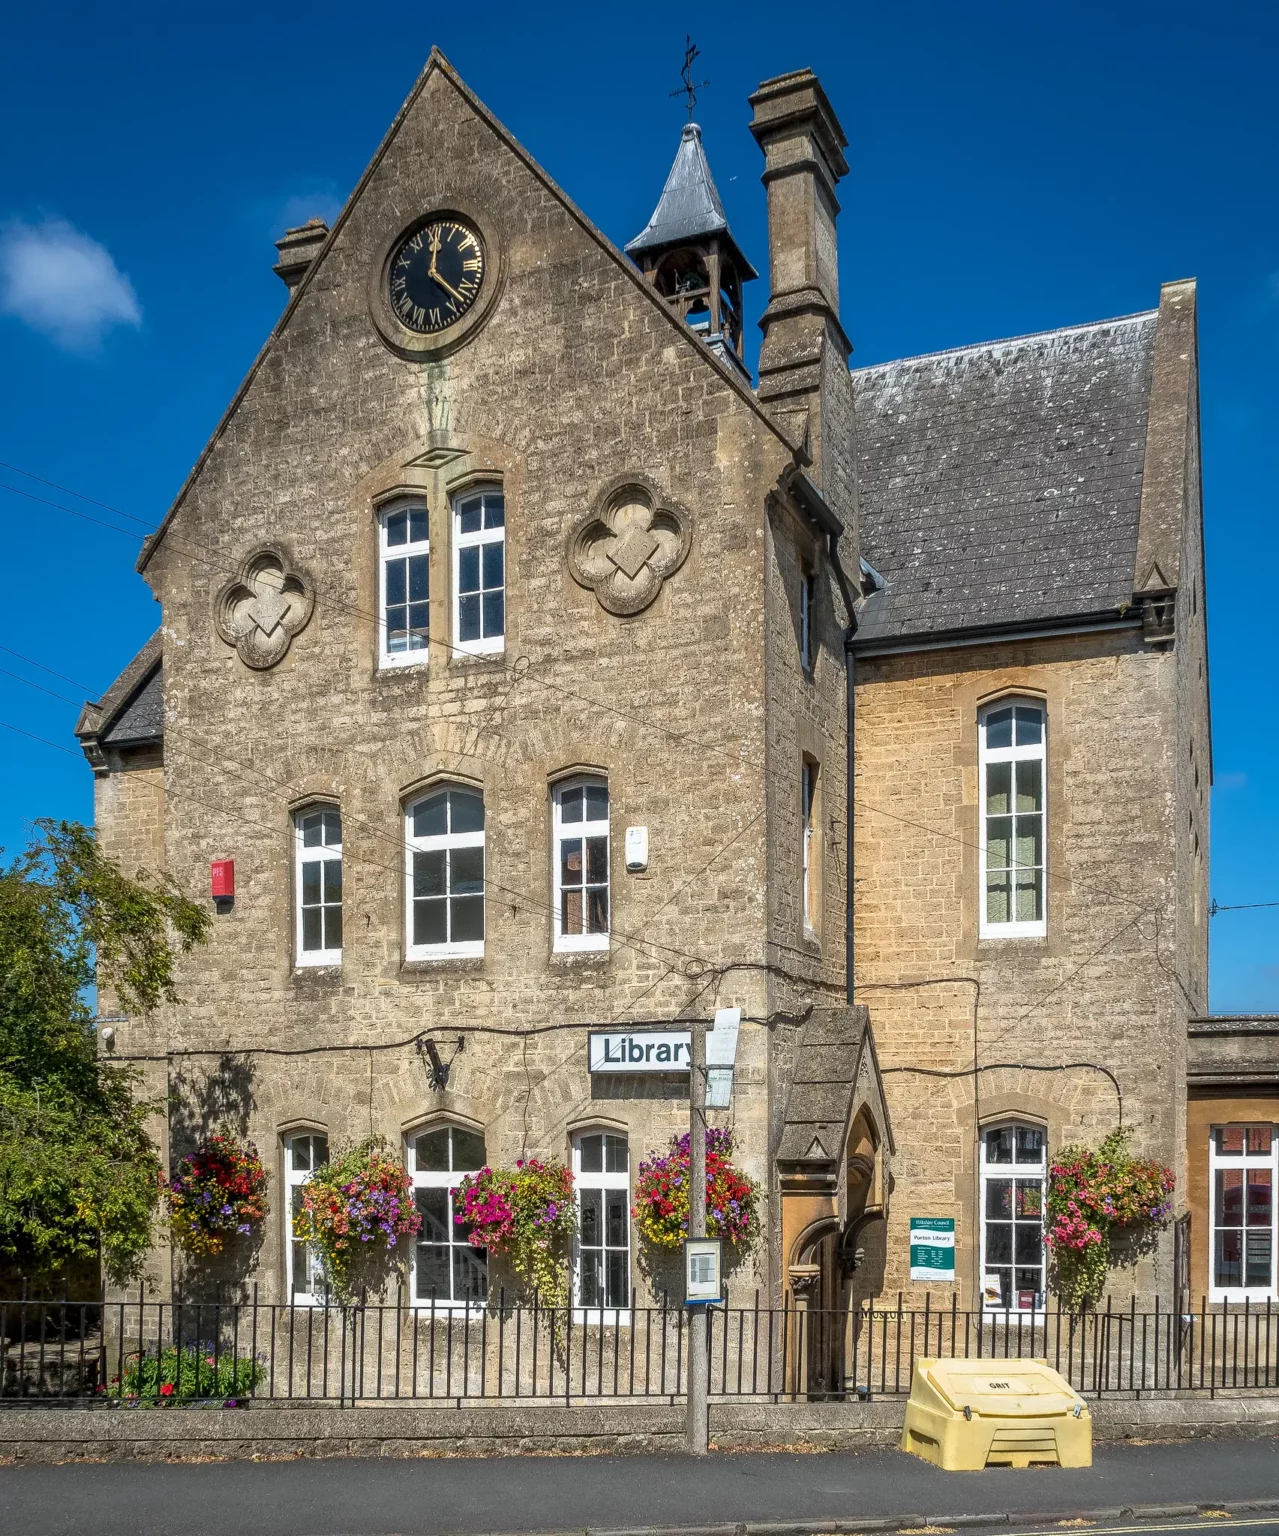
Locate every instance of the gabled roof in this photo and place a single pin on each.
(131, 712)
(689, 208)
(1000, 485)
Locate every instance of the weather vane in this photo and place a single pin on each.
(690, 87)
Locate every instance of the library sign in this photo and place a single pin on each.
(932, 1248)
(670, 1050)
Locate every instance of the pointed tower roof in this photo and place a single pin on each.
(689, 208)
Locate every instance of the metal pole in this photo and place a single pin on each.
(697, 1415)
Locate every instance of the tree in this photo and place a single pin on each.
(79, 1175)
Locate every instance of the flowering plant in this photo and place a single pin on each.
(1090, 1194)
(217, 1192)
(661, 1194)
(528, 1214)
(195, 1372)
(354, 1210)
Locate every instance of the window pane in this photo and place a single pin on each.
(1030, 785)
(999, 786)
(615, 1216)
(432, 1272)
(1229, 1197)
(417, 525)
(396, 584)
(430, 921)
(596, 802)
(468, 569)
(312, 929)
(433, 1208)
(494, 614)
(616, 1158)
(470, 1274)
(320, 1150)
(999, 728)
(1029, 1246)
(468, 618)
(1228, 1258)
(591, 1265)
(571, 804)
(431, 1151)
(1030, 1144)
(468, 515)
(468, 919)
(494, 511)
(1258, 1212)
(596, 860)
(1257, 1254)
(300, 1156)
(592, 1154)
(312, 829)
(998, 899)
(571, 861)
(397, 528)
(618, 1281)
(1030, 727)
(999, 832)
(419, 625)
(1028, 853)
(467, 811)
(1230, 1139)
(1030, 906)
(419, 567)
(597, 911)
(468, 1151)
(571, 911)
(999, 1242)
(999, 1198)
(492, 564)
(999, 1145)
(1259, 1138)
(333, 927)
(310, 883)
(429, 873)
(1030, 1199)
(430, 817)
(332, 829)
(466, 871)
(591, 1217)
(397, 624)
(332, 880)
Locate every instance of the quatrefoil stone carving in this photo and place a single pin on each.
(626, 546)
(263, 606)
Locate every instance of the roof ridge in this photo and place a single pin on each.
(1011, 341)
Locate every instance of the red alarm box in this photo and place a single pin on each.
(222, 879)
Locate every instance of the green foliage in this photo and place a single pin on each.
(528, 1214)
(198, 1371)
(79, 1175)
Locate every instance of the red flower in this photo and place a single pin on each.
(166, 1389)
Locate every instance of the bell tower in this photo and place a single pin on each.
(687, 252)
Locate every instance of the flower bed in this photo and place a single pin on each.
(662, 1187)
(1090, 1195)
(355, 1210)
(527, 1214)
(219, 1192)
(196, 1372)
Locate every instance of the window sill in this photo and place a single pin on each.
(403, 664)
(1236, 1295)
(325, 967)
(473, 1311)
(596, 954)
(613, 1317)
(1038, 934)
(471, 651)
(419, 970)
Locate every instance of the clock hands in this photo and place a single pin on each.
(434, 241)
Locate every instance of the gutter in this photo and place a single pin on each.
(993, 634)
(815, 505)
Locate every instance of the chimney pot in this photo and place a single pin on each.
(298, 248)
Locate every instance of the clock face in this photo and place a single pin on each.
(436, 276)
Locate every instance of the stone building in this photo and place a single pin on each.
(505, 653)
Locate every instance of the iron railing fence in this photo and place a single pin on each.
(249, 1351)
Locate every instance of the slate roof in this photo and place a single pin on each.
(131, 712)
(1001, 484)
(819, 1102)
(689, 207)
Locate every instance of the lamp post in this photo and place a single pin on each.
(697, 1319)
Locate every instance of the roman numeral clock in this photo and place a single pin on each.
(435, 283)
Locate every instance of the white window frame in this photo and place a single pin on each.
(1221, 1162)
(568, 943)
(809, 834)
(316, 1293)
(486, 645)
(1015, 1170)
(387, 553)
(322, 854)
(446, 1179)
(603, 1181)
(807, 603)
(445, 842)
(986, 756)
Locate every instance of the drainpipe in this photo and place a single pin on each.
(814, 503)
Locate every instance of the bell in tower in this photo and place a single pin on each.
(689, 255)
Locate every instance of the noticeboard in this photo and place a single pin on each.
(932, 1248)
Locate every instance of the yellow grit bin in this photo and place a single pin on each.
(964, 1415)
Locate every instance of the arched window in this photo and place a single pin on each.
(447, 1271)
(444, 834)
(581, 856)
(479, 570)
(405, 586)
(318, 885)
(602, 1183)
(1013, 1170)
(1013, 832)
(304, 1277)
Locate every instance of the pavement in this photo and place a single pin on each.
(1166, 1484)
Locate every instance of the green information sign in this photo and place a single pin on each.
(932, 1248)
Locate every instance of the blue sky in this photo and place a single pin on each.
(1014, 168)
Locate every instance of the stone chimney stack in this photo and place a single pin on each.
(803, 362)
(298, 249)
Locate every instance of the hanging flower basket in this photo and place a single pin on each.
(355, 1210)
(528, 1215)
(1092, 1194)
(217, 1194)
(661, 1194)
